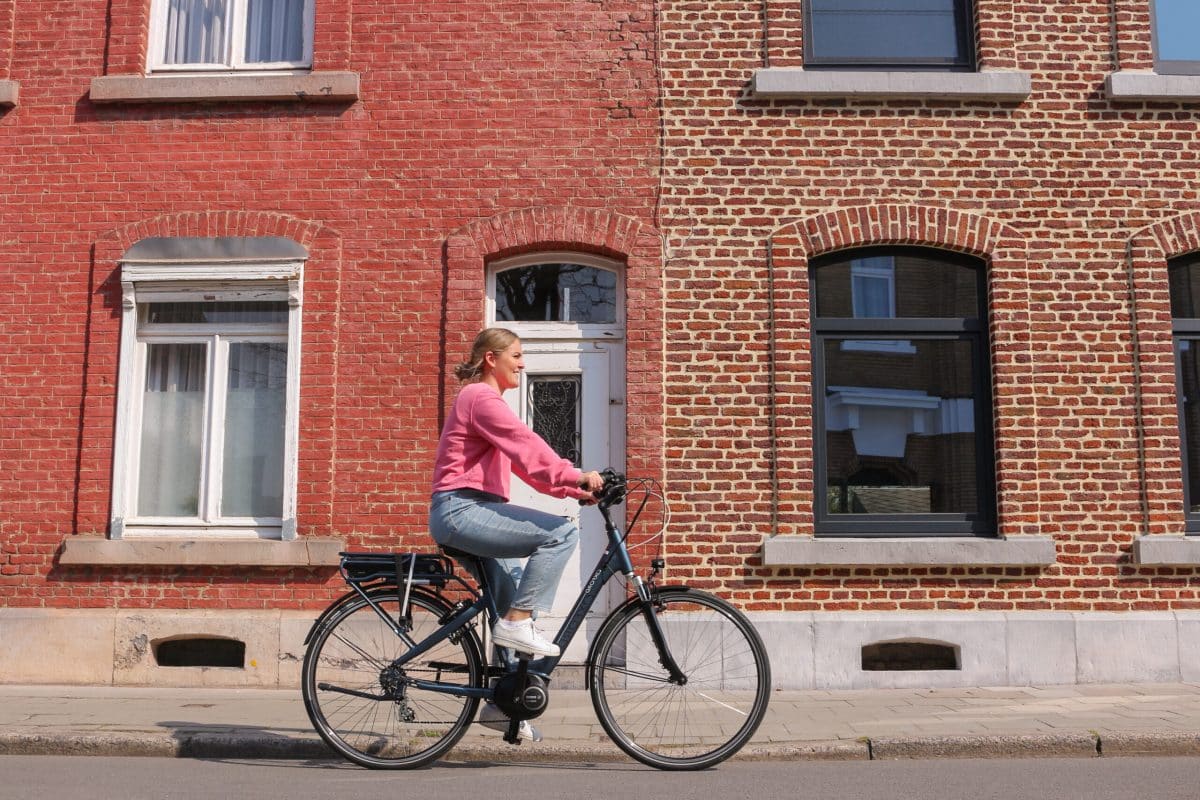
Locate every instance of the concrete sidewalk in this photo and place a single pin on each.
(1080, 721)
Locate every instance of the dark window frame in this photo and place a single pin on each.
(1183, 329)
(965, 39)
(982, 522)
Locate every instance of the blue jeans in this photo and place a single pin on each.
(501, 534)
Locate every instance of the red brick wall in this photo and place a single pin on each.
(487, 129)
(1050, 192)
(470, 112)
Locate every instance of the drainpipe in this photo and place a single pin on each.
(772, 410)
(1138, 403)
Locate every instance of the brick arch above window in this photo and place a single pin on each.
(208, 224)
(862, 226)
(1001, 247)
(546, 227)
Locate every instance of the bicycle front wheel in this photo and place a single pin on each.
(696, 724)
(365, 708)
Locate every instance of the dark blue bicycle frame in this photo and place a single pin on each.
(615, 552)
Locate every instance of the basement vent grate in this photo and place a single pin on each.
(898, 656)
(200, 652)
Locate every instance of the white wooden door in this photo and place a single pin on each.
(567, 396)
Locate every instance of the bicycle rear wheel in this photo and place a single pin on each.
(667, 725)
(363, 707)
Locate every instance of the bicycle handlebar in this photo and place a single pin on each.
(612, 492)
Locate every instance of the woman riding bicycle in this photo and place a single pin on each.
(482, 443)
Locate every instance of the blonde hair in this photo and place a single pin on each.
(489, 340)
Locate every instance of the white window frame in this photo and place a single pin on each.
(257, 281)
(235, 43)
(560, 330)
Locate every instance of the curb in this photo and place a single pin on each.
(237, 745)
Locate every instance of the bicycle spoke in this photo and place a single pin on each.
(369, 710)
(693, 725)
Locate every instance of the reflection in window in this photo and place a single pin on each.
(902, 373)
(882, 33)
(556, 293)
(904, 436)
(1184, 275)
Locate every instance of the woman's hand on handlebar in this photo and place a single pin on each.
(591, 482)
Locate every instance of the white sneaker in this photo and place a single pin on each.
(490, 716)
(522, 637)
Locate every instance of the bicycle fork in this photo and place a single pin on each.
(646, 596)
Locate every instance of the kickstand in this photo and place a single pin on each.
(512, 736)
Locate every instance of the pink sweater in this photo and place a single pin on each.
(484, 442)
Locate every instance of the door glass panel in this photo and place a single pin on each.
(254, 430)
(900, 430)
(554, 411)
(172, 430)
(556, 293)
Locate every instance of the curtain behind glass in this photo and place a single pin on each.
(195, 31)
(274, 31)
(254, 430)
(172, 430)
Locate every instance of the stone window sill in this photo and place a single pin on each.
(309, 87)
(1021, 551)
(9, 93)
(1162, 551)
(793, 82)
(1142, 86)
(95, 551)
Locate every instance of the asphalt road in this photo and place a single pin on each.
(28, 777)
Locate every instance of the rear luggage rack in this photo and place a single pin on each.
(423, 569)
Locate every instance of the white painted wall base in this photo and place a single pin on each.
(807, 650)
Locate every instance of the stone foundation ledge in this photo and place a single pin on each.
(807, 650)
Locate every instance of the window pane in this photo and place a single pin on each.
(1189, 391)
(172, 430)
(275, 31)
(1177, 25)
(885, 30)
(196, 31)
(1184, 278)
(555, 412)
(216, 313)
(556, 293)
(900, 430)
(254, 430)
(925, 286)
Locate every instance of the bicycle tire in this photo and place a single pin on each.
(353, 651)
(680, 727)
